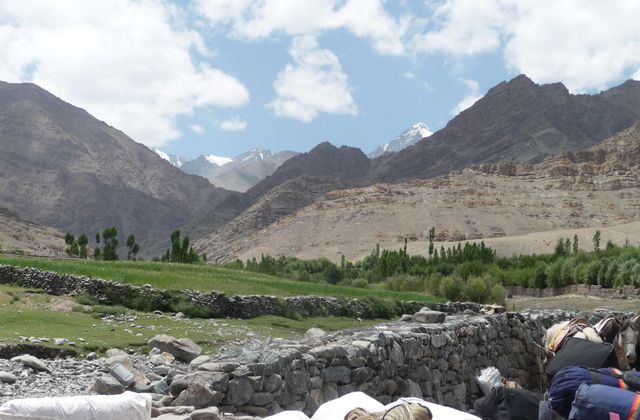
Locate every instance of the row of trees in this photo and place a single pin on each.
(109, 251)
(471, 271)
(106, 247)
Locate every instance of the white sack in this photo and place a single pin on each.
(288, 415)
(489, 378)
(130, 406)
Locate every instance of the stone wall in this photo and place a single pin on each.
(216, 304)
(577, 289)
(432, 361)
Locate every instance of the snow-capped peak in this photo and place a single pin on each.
(254, 155)
(175, 160)
(409, 137)
(218, 160)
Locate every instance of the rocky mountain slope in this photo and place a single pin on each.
(61, 167)
(592, 188)
(517, 121)
(17, 235)
(241, 172)
(298, 181)
(408, 138)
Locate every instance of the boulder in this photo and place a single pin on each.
(199, 396)
(115, 352)
(429, 317)
(240, 391)
(7, 377)
(209, 413)
(314, 333)
(199, 360)
(31, 361)
(183, 349)
(107, 385)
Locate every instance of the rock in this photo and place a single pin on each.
(107, 385)
(219, 366)
(115, 352)
(91, 356)
(218, 381)
(173, 417)
(240, 391)
(31, 361)
(162, 359)
(429, 317)
(199, 360)
(406, 318)
(199, 396)
(314, 333)
(338, 374)
(182, 348)
(7, 377)
(261, 399)
(209, 413)
(179, 315)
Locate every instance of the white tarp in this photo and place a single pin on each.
(129, 406)
(338, 408)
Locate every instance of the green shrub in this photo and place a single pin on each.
(85, 299)
(451, 288)
(497, 294)
(476, 290)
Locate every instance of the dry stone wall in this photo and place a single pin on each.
(216, 304)
(433, 361)
(577, 289)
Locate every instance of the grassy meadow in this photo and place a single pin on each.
(31, 313)
(203, 278)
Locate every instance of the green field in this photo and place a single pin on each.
(203, 278)
(30, 313)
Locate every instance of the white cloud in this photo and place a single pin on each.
(585, 44)
(472, 96)
(196, 128)
(313, 84)
(233, 124)
(409, 75)
(127, 62)
(257, 19)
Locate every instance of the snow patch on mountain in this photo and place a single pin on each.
(408, 138)
(175, 160)
(218, 160)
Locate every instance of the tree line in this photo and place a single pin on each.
(471, 271)
(106, 247)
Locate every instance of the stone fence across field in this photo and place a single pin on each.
(216, 304)
(437, 362)
(577, 289)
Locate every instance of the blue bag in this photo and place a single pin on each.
(567, 381)
(595, 402)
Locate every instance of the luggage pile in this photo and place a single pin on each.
(586, 384)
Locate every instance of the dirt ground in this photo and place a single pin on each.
(572, 303)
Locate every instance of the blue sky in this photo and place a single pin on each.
(224, 76)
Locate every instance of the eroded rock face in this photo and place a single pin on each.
(182, 348)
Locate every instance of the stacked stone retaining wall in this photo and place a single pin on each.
(437, 362)
(577, 289)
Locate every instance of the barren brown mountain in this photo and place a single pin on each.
(592, 188)
(17, 235)
(516, 121)
(61, 167)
